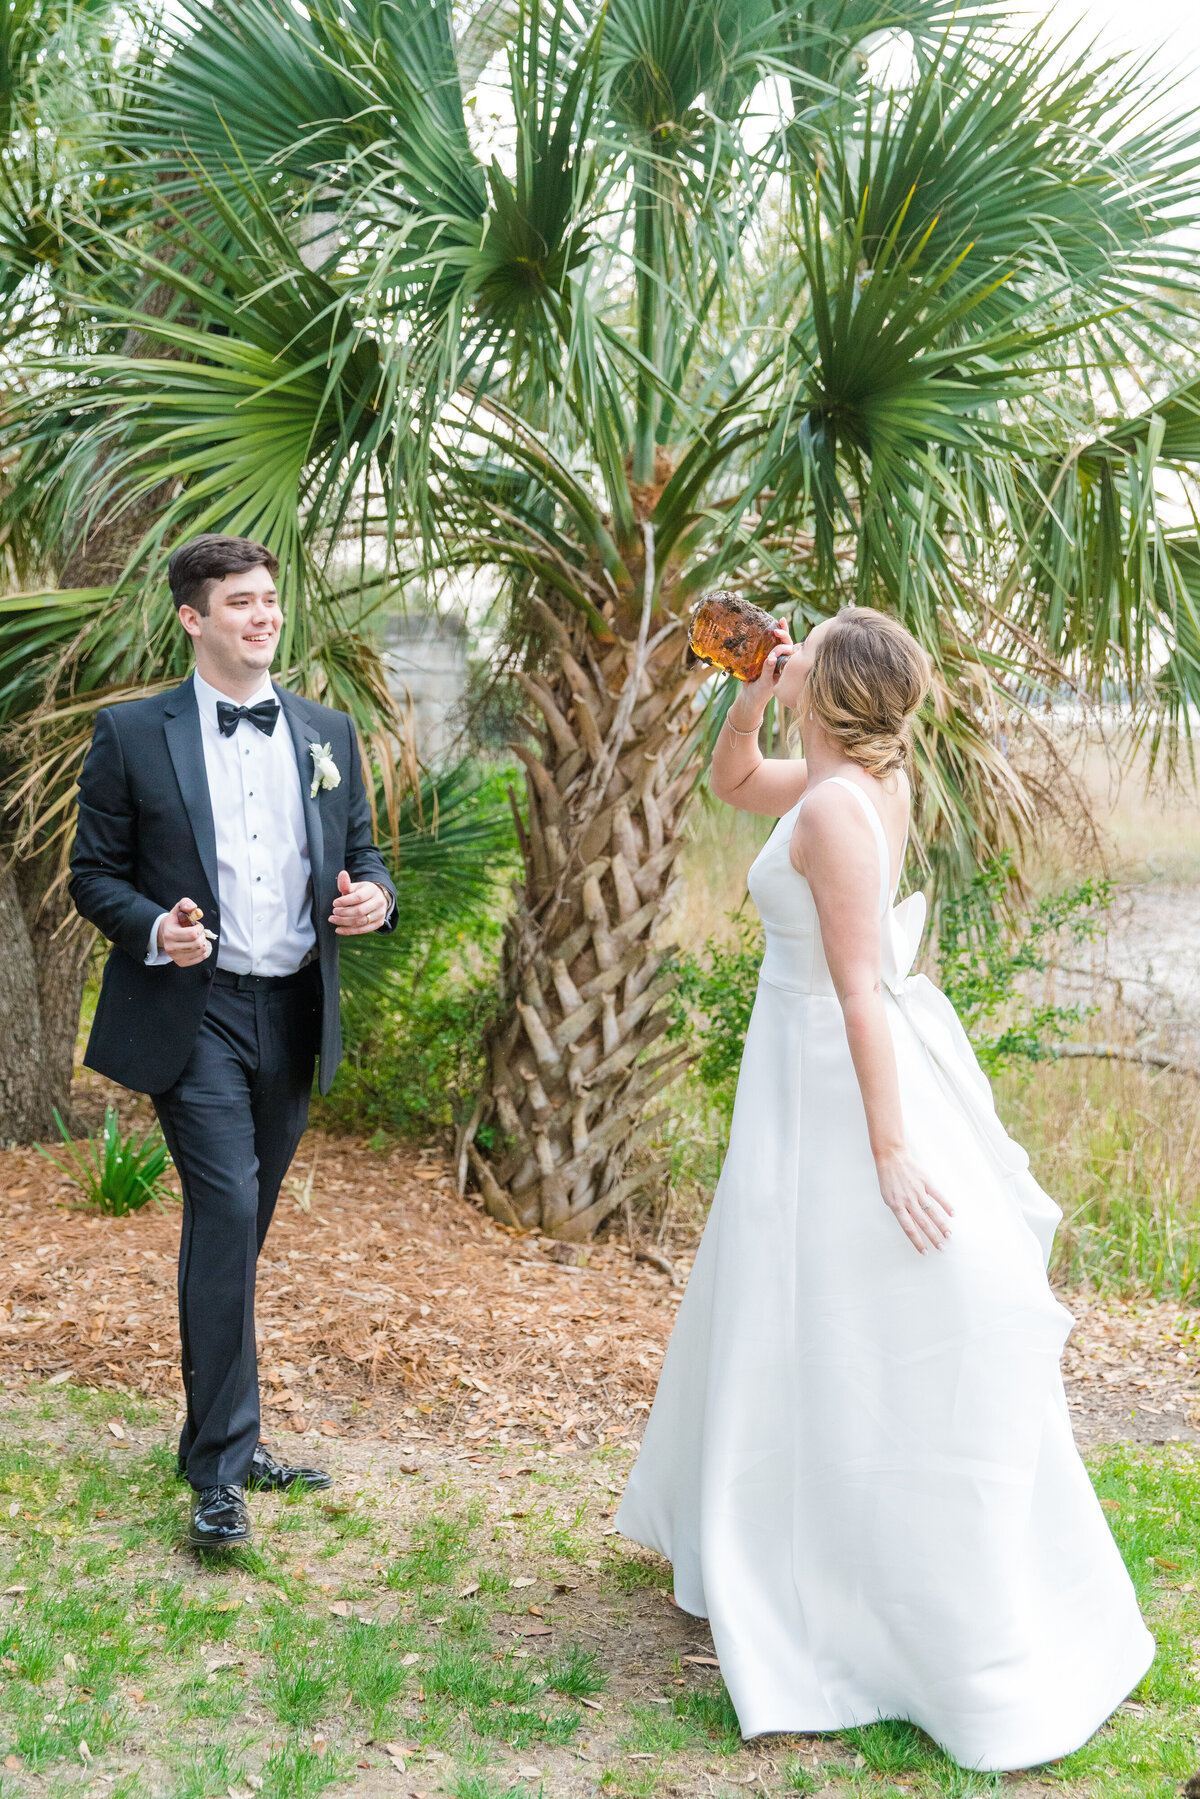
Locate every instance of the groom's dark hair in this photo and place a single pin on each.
(195, 565)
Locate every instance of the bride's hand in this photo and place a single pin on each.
(919, 1208)
(751, 703)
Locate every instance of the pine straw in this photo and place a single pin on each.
(389, 1297)
(392, 1300)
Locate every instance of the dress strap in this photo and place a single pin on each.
(881, 842)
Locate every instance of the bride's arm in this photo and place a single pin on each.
(835, 850)
(740, 774)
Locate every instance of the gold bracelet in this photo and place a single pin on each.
(737, 733)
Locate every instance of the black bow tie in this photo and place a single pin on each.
(262, 716)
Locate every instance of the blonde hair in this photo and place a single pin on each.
(867, 680)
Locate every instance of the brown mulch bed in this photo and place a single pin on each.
(390, 1307)
(1131, 1369)
(387, 1298)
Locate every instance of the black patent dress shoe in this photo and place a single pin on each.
(220, 1519)
(269, 1476)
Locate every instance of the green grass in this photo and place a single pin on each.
(577, 1673)
(212, 1768)
(372, 1671)
(296, 1772)
(224, 1671)
(626, 1573)
(437, 1554)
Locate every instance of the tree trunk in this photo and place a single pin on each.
(25, 1103)
(579, 1057)
(61, 943)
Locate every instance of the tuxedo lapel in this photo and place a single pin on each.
(304, 734)
(182, 727)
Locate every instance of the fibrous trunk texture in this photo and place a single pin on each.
(25, 1104)
(578, 1057)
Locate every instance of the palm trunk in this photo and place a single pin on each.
(579, 1056)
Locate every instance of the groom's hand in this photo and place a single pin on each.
(184, 942)
(360, 906)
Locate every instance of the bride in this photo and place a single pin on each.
(859, 1459)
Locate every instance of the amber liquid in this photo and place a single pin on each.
(731, 634)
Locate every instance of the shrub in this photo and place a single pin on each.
(118, 1172)
(985, 959)
(714, 1000)
(417, 1001)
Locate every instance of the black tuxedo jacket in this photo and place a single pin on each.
(145, 837)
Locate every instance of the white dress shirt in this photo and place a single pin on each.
(264, 876)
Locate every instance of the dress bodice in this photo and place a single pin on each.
(794, 958)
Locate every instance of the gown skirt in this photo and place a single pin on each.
(859, 1460)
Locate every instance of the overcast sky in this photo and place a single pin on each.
(1144, 25)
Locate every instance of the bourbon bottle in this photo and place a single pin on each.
(730, 633)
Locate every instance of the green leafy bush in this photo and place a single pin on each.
(118, 1172)
(714, 1000)
(417, 1002)
(985, 959)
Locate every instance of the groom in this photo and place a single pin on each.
(235, 800)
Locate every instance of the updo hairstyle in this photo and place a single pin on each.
(867, 680)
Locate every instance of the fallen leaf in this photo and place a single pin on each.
(1161, 1561)
(83, 1751)
(118, 1430)
(410, 1660)
(701, 1661)
(328, 1428)
(593, 1705)
(533, 1628)
(12, 1761)
(16, 1589)
(137, 1695)
(410, 1468)
(467, 1591)
(57, 1380)
(529, 1773)
(70, 1662)
(524, 1580)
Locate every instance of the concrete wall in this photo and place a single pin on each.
(426, 661)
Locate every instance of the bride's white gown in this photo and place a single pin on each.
(859, 1459)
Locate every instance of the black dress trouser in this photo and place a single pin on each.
(232, 1122)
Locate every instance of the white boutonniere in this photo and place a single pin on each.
(326, 773)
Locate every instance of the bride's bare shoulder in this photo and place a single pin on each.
(831, 824)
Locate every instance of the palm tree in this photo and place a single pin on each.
(717, 308)
(65, 73)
